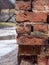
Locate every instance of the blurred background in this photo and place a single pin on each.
(7, 10)
(8, 44)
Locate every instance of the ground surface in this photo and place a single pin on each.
(8, 48)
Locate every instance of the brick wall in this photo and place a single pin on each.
(32, 25)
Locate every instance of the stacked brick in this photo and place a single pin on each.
(32, 26)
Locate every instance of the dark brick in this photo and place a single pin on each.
(29, 50)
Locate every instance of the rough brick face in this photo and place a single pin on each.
(30, 40)
(28, 28)
(23, 5)
(31, 17)
(21, 29)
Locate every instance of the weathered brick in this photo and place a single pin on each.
(30, 40)
(23, 5)
(29, 50)
(28, 28)
(21, 29)
(31, 17)
(26, 60)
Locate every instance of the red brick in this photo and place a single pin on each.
(41, 27)
(30, 40)
(22, 5)
(31, 17)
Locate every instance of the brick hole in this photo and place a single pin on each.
(31, 28)
(25, 14)
(30, 10)
(32, 4)
(48, 19)
(48, 40)
(26, 0)
(18, 0)
(23, 0)
(35, 60)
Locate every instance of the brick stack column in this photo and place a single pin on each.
(32, 25)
